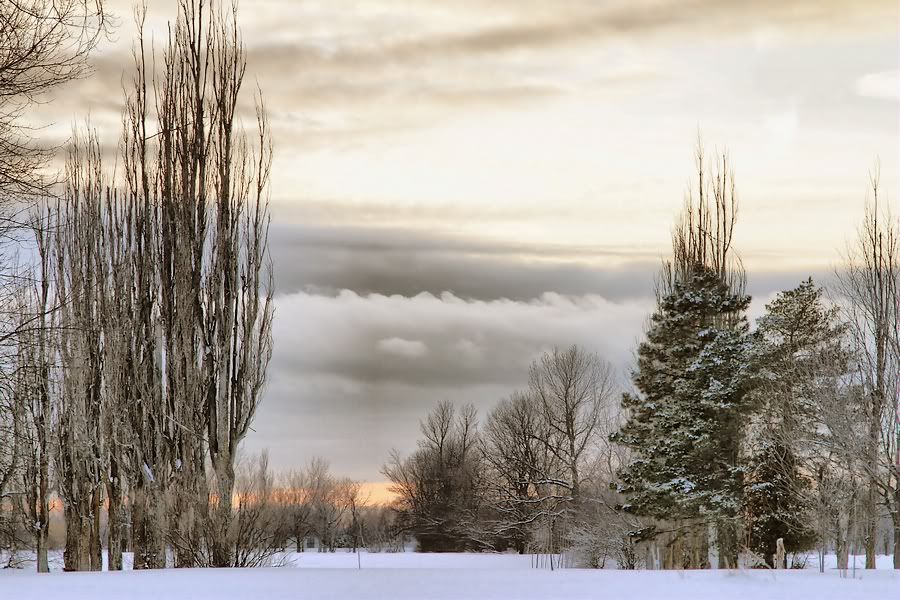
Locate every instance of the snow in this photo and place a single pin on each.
(408, 576)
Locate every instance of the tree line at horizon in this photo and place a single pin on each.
(136, 334)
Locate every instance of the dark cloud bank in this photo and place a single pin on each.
(374, 326)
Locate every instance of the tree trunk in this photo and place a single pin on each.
(43, 498)
(43, 520)
(896, 543)
(43, 565)
(149, 551)
(221, 547)
(895, 519)
(843, 555)
(70, 554)
(84, 539)
(727, 542)
(870, 526)
(114, 522)
(96, 548)
(138, 531)
(841, 544)
(712, 550)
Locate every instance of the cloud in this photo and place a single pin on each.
(782, 127)
(884, 84)
(407, 262)
(370, 338)
(332, 71)
(403, 348)
(490, 27)
(354, 370)
(351, 368)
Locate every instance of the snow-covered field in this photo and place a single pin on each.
(411, 576)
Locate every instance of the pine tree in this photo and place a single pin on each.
(797, 343)
(685, 425)
(775, 502)
(797, 348)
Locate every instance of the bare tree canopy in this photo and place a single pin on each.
(704, 233)
(869, 284)
(43, 44)
(161, 280)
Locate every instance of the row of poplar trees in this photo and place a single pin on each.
(145, 328)
(738, 438)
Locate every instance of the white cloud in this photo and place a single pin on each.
(767, 37)
(782, 127)
(336, 335)
(401, 347)
(368, 367)
(884, 84)
(469, 350)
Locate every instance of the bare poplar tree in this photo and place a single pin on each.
(201, 188)
(43, 44)
(17, 451)
(34, 393)
(132, 232)
(704, 233)
(123, 378)
(80, 283)
(870, 284)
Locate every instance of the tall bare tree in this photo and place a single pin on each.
(704, 233)
(869, 282)
(205, 186)
(43, 44)
(439, 488)
(573, 387)
(165, 293)
(521, 466)
(80, 283)
(34, 396)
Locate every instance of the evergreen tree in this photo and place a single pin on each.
(685, 425)
(775, 502)
(797, 349)
(798, 345)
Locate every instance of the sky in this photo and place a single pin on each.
(459, 185)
